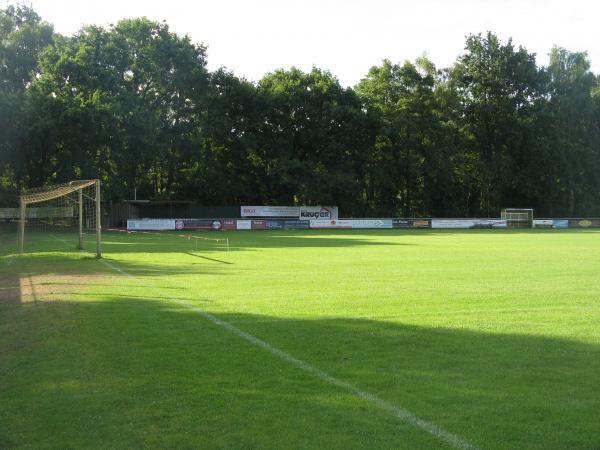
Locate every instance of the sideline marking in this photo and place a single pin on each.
(396, 411)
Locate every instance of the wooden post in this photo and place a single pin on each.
(22, 225)
(98, 222)
(80, 195)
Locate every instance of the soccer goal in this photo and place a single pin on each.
(66, 213)
(518, 217)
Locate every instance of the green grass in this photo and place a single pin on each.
(492, 335)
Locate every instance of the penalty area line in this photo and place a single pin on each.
(396, 411)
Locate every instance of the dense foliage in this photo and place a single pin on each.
(135, 105)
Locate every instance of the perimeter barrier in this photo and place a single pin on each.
(364, 224)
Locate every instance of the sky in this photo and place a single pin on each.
(254, 37)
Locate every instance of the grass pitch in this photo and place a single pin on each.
(492, 336)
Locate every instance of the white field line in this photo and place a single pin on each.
(396, 411)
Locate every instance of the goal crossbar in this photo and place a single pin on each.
(60, 190)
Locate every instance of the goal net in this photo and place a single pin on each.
(518, 217)
(60, 217)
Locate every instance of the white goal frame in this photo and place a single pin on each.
(54, 192)
(517, 217)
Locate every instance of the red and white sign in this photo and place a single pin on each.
(270, 211)
(228, 224)
(259, 225)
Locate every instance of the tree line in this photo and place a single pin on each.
(134, 105)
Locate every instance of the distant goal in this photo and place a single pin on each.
(65, 215)
(518, 217)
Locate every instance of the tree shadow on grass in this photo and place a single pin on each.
(238, 241)
(267, 239)
(129, 372)
(248, 241)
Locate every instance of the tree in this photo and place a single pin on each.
(407, 164)
(499, 87)
(227, 167)
(575, 133)
(314, 139)
(127, 102)
(23, 36)
(134, 105)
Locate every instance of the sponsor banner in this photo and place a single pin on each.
(228, 224)
(340, 223)
(318, 212)
(270, 211)
(543, 223)
(402, 223)
(40, 212)
(301, 212)
(243, 224)
(451, 223)
(10, 213)
(560, 223)
(421, 223)
(410, 223)
(490, 223)
(197, 224)
(584, 223)
(371, 223)
(151, 224)
(296, 224)
(281, 224)
(468, 223)
(274, 224)
(259, 225)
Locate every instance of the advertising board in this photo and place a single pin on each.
(543, 223)
(9, 213)
(259, 225)
(318, 212)
(321, 223)
(451, 223)
(490, 223)
(468, 223)
(287, 224)
(150, 224)
(371, 223)
(270, 211)
(274, 224)
(421, 223)
(197, 224)
(243, 224)
(560, 223)
(584, 223)
(411, 223)
(228, 224)
(296, 224)
(38, 212)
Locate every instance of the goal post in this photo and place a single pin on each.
(61, 212)
(518, 217)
